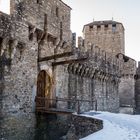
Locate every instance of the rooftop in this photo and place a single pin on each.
(105, 22)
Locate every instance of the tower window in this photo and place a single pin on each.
(113, 27)
(98, 27)
(106, 26)
(90, 28)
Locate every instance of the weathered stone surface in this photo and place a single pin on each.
(127, 82)
(83, 126)
(32, 30)
(19, 126)
(109, 36)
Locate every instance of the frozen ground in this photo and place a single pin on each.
(116, 127)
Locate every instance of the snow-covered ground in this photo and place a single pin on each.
(116, 127)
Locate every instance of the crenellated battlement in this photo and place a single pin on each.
(92, 72)
(97, 54)
(99, 64)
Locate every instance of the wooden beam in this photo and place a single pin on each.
(55, 56)
(69, 61)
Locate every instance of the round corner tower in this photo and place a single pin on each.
(108, 35)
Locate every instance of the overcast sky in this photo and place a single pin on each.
(125, 11)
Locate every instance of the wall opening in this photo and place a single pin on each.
(1, 39)
(44, 88)
(57, 11)
(98, 27)
(61, 30)
(113, 27)
(31, 32)
(39, 1)
(45, 21)
(90, 28)
(106, 26)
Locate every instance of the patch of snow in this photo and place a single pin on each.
(116, 126)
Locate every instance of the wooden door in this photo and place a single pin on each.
(44, 90)
(41, 85)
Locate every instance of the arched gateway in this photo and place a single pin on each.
(44, 90)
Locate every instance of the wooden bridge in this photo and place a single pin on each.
(62, 105)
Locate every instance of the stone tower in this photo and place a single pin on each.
(108, 35)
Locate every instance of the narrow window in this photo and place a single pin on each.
(90, 28)
(45, 21)
(31, 34)
(98, 27)
(57, 11)
(61, 30)
(106, 26)
(113, 27)
(1, 45)
(39, 1)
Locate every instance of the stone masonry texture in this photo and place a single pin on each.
(32, 39)
(82, 126)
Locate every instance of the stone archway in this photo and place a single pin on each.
(44, 89)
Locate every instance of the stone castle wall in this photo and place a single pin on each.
(127, 81)
(96, 79)
(18, 75)
(33, 30)
(19, 67)
(23, 38)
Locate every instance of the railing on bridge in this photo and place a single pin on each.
(63, 105)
